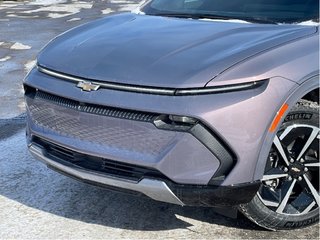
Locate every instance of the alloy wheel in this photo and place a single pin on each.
(290, 184)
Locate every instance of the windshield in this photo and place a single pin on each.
(263, 11)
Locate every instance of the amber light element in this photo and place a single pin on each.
(278, 117)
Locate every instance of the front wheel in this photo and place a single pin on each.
(289, 194)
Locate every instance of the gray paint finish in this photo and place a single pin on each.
(160, 51)
(183, 53)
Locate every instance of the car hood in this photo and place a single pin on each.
(160, 51)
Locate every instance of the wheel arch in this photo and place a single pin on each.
(308, 90)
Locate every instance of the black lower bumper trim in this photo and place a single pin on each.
(190, 195)
(215, 196)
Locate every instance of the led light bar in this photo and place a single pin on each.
(155, 90)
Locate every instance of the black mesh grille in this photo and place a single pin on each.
(97, 164)
(95, 109)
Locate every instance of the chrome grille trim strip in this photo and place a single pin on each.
(158, 91)
(121, 87)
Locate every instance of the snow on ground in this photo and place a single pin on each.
(125, 5)
(309, 23)
(29, 65)
(46, 2)
(6, 58)
(107, 11)
(74, 19)
(20, 46)
(62, 10)
(8, 4)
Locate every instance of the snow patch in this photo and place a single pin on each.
(120, 1)
(309, 23)
(8, 4)
(63, 10)
(74, 19)
(58, 15)
(6, 58)
(17, 16)
(46, 2)
(221, 20)
(107, 11)
(19, 46)
(128, 7)
(138, 11)
(125, 5)
(29, 65)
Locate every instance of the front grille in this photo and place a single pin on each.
(93, 108)
(97, 164)
(119, 137)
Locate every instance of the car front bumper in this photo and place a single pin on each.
(158, 189)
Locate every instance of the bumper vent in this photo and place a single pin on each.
(97, 164)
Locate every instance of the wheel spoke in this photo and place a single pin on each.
(274, 176)
(309, 208)
(285, 132)
(278, 145)
(268, 202)
(285, 199)
(312, 164)
(312, 136)
(312, 189)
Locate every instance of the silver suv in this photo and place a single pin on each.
(191, 102)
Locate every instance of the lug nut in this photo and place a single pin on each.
(289, 178)
(302, 160)
(299, 178)
(285, 169)
(291, 160)
(306, 169)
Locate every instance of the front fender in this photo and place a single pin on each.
(297, 93)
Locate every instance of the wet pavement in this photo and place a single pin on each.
(38, 203)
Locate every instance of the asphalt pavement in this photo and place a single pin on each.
(38, 203)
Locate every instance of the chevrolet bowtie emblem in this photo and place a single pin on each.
(295, 169)
(88, 86)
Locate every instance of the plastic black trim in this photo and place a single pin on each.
(218, 148)
(96, 164)
(209, 139)
(215, 196)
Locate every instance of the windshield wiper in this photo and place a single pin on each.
(258, 20)
(192, 15)
(214, 16)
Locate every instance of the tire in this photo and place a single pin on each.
(289, 194)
